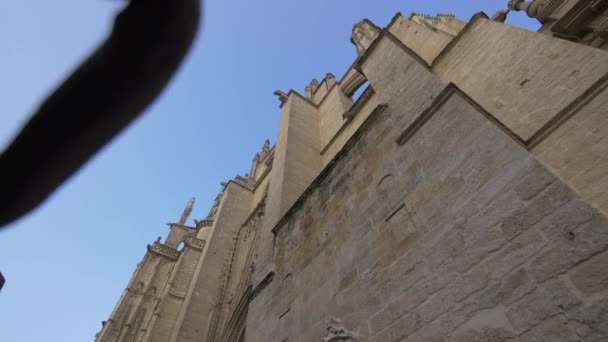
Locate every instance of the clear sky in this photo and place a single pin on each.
(68, 262)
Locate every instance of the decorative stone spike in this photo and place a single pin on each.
(500, 16)
(187, 212)
(282, 97)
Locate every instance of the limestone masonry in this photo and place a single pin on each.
(461, 196)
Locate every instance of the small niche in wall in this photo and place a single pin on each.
(288, 281)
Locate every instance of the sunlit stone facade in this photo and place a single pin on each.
(460, 195)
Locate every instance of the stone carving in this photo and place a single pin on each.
(163, 250)
(203, 223)
(282, 97)
(265, 148)
(364, 34)
(194, 242)
(500, 16)
(187, 212)
(532, 8)
(329, 75)
(138, 288)
(262, 154)
(335, 332)
(439, 16)
(214, 207)
(151, 291)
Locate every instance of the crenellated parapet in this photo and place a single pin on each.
(193, 242)
(161, 249)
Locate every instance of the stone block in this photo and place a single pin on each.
(516, 252)
(514, 286)
(557, 328)
(579, 233)
(485, 325)
(591, 277)
(543, 205)
(591, 321)
(552, 299)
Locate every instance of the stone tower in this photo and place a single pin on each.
(451, 185)
(157, 282)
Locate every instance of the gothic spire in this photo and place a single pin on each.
(187, 212)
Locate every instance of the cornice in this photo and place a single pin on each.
(467, 27)
(293, 92)
(568, 112)
(384, 33)
(448, 91)
(163, 250)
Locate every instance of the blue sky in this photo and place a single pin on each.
(67, 263)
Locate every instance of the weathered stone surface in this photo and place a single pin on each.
(591, 277)
(421, 215)
(514, 286)
(591, 321)
(544, 302)
(578, 233)
(485, 325)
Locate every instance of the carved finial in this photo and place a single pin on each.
(500, 16)
(282, 97)
(329, 75)
(187, 212)
(266, 147)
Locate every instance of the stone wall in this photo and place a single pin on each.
(548, 91)
(454, 200)
(434, 222)
(523, 78)
(577, 148)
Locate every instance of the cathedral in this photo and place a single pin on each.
(452, 185)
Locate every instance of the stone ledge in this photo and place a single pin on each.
(438, 102)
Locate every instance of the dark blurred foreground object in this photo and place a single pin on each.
(110, 89)
(1, 281)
